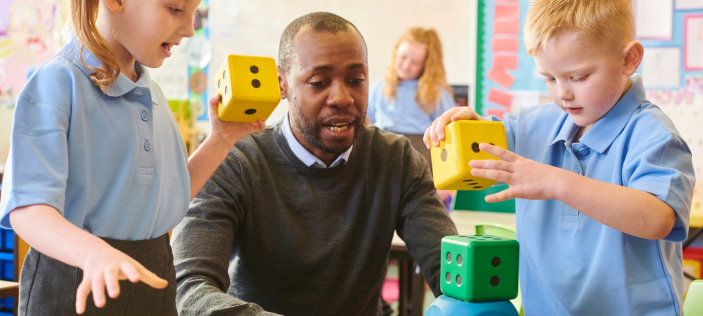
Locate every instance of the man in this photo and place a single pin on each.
(298, 220)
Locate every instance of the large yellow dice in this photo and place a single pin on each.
(248, 86)
(450, 161)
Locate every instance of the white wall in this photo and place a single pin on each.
(258, 25)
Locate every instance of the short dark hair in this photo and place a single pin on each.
(319, 22)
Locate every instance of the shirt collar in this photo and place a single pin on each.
(304, 155)
(607, 128)
(121, 86)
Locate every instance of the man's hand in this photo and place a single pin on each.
(435, 132)
(527, 178)
(229, 133)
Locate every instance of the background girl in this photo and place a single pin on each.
(98, 172)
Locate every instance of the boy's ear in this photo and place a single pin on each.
(282, 82)
(116, 6)
(633, 57)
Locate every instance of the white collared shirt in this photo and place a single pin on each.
(304, 155)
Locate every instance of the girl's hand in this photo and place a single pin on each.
(103, 268)
(527, 178)
(435, 132)
(229, 133)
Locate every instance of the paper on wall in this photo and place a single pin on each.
(661, 67)
(654, 19)
(689, 4)
(693, 42)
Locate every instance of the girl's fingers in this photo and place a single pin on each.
(215, 101)
(151, 279)
(112, 283)
(82, 295)
(426, 137)
(131, 272)
(442, 122)
(99, 291)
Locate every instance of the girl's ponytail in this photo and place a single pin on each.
(84, 15)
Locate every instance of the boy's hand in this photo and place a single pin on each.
(527, 178)
(229, 133)
(435, 132)
(103, 268)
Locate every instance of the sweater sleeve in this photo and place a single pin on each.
(202, 246)
(423, 218)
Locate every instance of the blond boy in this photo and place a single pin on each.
(602, 178)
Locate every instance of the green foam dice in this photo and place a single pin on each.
(479, 268)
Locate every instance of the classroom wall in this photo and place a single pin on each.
(255, 28)
(6, 114)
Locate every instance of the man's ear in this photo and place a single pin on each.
(282, 82)
(116, 6)
(633, 57)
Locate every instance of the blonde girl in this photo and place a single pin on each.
(98, 173)
(414, 91)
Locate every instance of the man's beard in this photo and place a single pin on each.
(312, 131)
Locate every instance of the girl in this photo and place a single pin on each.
(98, 172)
(415, 90)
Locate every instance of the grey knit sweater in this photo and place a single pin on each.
(269, 234)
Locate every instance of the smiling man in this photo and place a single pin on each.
(298, 220)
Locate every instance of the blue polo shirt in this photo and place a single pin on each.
(403, 115)
(571, 264)
(113, 164)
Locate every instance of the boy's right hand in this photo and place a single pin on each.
(435, 133)
(103, 268)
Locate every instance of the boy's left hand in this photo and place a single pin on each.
(229, 133)
(527, 178)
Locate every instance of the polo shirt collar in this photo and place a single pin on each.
(122, 84)
(607, 128)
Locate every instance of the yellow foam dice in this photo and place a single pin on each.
(248, 86)
(450, 160)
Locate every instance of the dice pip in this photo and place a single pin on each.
(450, 160)
(248, 87)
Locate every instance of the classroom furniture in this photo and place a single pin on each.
(411, 282)
(693, 305)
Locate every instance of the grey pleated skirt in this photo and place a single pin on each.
(48, 287)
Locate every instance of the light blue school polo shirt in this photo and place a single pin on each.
(571, 264)
(403, 115)
(113, 164)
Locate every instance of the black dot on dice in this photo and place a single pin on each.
(495, 262)
(458, 259)
(449, 257)
(449, 277)
(250, 111)
(220, 99)
(458, 280)
(256, 83)
(495, 280)
(478, 187)
(254, 69)
(475, 148)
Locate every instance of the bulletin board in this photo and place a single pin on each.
(671, 32)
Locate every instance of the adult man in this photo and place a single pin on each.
(298, 219)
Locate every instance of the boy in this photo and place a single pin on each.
(604, 181)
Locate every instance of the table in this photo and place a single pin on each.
(8, 288)
(411, 283)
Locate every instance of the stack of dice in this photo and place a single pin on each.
(479, 274)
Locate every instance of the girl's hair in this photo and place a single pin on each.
(432, 79)
(84, 14)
